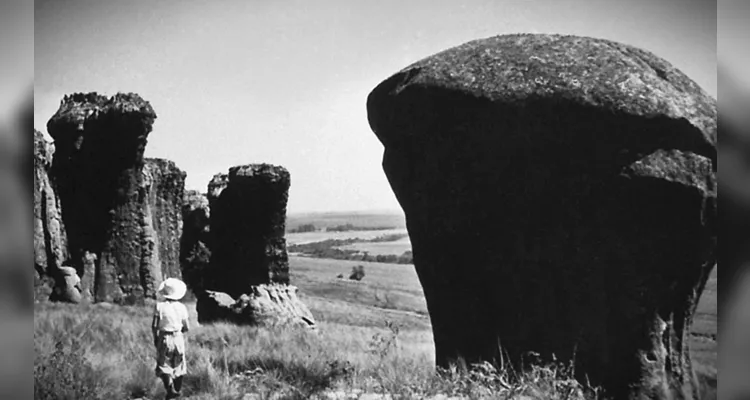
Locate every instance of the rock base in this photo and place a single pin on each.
(265, 305)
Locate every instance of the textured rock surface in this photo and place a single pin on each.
(50, 239)
(67, 285)
(121, 213)
(195, 253)
(246, 280)
(565, 186)
(162, 191)
(248, 219)
(264, 305)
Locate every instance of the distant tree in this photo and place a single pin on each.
(331, 249)
(349, 227)
(406, 258)
(304, 228)
(358, 272)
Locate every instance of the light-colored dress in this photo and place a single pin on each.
(169, 319)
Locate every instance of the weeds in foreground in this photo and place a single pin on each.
(66, 375)
(106, 353)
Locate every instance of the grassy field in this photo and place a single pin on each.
(393, 219)
(310, 237)
(361, 345)
(393, 286)
(389, 284)
(374, 248)
(373, 336)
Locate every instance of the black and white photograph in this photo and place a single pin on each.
(385, 200)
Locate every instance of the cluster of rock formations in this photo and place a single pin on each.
(566, 188)
(110, 225)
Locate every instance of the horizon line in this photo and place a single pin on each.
(359, 211)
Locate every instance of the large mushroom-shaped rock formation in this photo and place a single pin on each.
(248, 258)
(67, 285)
(121, 213)
(565, 187)
(50, 240)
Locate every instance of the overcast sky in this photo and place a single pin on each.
(286, 82)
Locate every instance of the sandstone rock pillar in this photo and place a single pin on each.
(195, 253)
(114, 210)
(247, 279)
(248, 219)
(560, 196)
(50, 239)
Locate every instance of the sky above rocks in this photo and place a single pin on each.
(286, 82)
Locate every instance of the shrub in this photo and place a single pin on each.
(67, 375)
(358, 272)
(304, 228)
(330, 248)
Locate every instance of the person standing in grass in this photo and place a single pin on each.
(169, 326)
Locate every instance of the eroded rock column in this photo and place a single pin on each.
(162, 190)
(121, 220)
(248, 220)
(195, 253)
(50, 239)
(247, 281)
(560, 196)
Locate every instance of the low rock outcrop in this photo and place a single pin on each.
(67, 285)
(121, 213)
(264, 305)
(566, 188)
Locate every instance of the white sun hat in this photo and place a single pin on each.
(172, 288)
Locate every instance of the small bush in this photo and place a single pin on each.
(67, 375)
(358, 272)
(304, 228)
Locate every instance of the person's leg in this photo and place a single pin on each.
(174, 357)
(179, 362)
(168, 386)
(163, 368)
(178, 384)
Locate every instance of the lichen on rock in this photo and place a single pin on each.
(568, 185)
